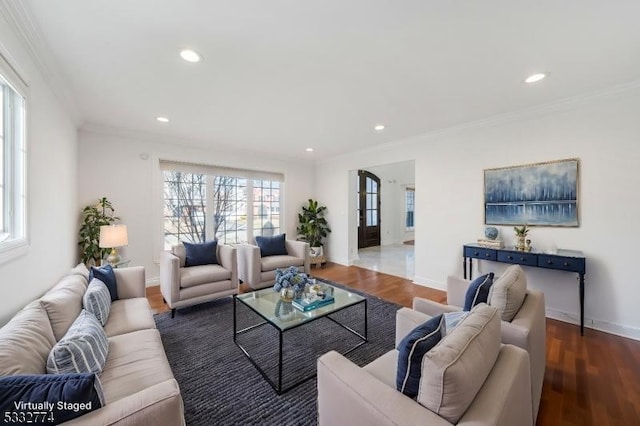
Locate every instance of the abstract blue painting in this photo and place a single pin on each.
(535, 194)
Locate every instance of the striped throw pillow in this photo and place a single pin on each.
(97, 300)
(82, 350)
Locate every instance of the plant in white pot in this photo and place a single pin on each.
(312, 226)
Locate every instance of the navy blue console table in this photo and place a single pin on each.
(564, 260)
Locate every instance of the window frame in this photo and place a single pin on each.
(15, 162)
(407, 205)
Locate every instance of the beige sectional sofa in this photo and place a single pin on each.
(137, 381)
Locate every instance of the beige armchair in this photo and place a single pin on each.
(526, 330)
(259, 272)
(468, 378)
(184, 286)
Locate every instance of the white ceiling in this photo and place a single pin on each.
(282, 75)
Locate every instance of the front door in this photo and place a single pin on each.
(368, 209)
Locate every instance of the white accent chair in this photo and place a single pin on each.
(526, 330)
(468, 378)
(185, 286)
(260, 272)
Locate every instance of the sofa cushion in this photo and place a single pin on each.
(25, 342)
(180, 253)
(97, 300)
(455, 369)
(478, 291)
(200, 254)
(412, 348)
(272, 263)
(82, 271)
(203, 274)
(508, 292)
(82, 390)
(272, 246)
(82, 350)
(384, 368)
(128, 315)
(108, 277)
(136, 362)
(63, 303)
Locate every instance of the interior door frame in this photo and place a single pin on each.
(368, 236)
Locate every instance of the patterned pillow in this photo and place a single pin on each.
(97, 300)
(478, 291)
(82, 350)
(411, 350)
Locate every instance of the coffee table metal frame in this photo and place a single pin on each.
(278, 386)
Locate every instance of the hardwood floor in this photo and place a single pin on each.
(589, 380)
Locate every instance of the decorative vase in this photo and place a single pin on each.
(521, 243)
(287, 294)
(284, 310)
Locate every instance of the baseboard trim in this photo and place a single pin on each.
(607, 327)
(426, 282)
(152, 281)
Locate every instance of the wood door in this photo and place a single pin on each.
(368, 209)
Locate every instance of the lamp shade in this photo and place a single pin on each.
(113, 236)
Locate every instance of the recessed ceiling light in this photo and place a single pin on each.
(162, 119)
(535, 77)
(309, 149)
(379, 127)
(190, 55)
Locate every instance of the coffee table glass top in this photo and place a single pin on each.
(267, 303)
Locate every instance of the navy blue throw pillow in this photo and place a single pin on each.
(108, 277)
(272, 246)
(201, 254)
(50, 398)
(411, 350)
(478, 291)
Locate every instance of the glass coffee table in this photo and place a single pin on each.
(267, 305)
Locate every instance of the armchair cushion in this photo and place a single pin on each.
(200, 254)
(411, 351)
(456, 368)
(272, 263)
(478, 291)
(203, 274)
(508, 292)
(272, 246)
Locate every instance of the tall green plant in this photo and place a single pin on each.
(312, 226)
(93, 217)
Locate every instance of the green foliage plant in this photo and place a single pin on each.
(521, 231)
(93, 217)
(312, 226)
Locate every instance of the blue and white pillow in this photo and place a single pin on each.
(478, 291)
(411, 350)
(452, 319)
(97, 300)
(82, 350)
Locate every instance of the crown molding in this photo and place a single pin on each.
(554, 107)
(20, 19)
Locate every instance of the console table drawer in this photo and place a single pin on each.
(480, 253)
(562, 263)
(519, 258)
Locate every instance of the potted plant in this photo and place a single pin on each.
(93, 217)
(312, 226)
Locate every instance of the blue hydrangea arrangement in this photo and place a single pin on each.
(290, 278)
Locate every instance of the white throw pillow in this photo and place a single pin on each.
(508, 292)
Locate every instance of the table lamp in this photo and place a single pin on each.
(113, 236)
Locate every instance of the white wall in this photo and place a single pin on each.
(394, 179)
(51, 163)
(115, 167)
(602, 131)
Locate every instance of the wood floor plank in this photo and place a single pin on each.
(589, 380)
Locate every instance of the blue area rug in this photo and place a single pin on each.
(219, 384)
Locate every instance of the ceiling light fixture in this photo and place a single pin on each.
(190, 55)
(309, 149)
(535, 77)
(379, 127)
(162, 119)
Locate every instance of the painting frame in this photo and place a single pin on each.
(536, 194)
